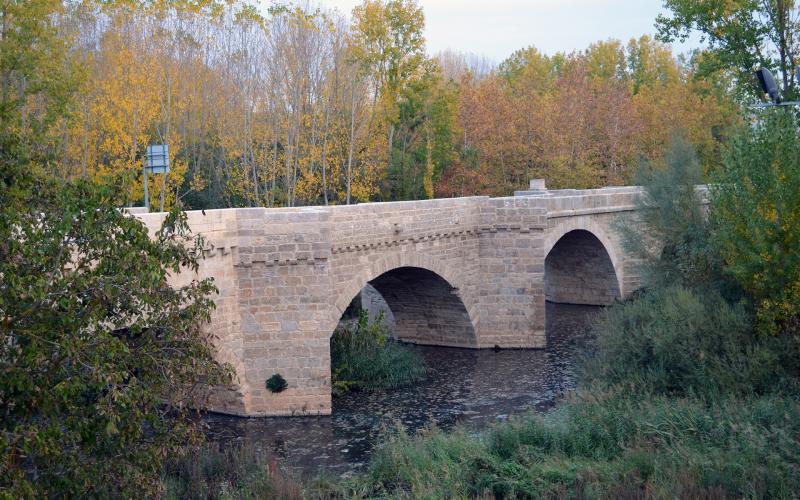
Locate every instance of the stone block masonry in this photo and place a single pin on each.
(467, 272)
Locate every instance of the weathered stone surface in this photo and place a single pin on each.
(468, 272)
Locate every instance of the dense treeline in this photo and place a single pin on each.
(297, 105)
(583, 119)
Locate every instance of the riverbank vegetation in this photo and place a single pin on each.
(691, 388)
(101, 358)
(237, 471)
(363, 356)
(604, 445)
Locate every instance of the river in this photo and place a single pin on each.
(470, 387)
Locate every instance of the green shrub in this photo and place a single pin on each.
(425, 465)
(756, 215)
(677, 341)
(276, 383)
(364, 356)
(101, 359)
(668, 233)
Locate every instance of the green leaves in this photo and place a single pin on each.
(100, 358)
(670, 237)
(756, 215)
(742, 35)
(363, 356)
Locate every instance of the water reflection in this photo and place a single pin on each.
(467, 386)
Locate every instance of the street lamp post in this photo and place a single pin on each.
(146, 197)
(767, 83)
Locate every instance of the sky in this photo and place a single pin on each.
(496, 28)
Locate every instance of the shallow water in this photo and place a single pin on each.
(473, 387)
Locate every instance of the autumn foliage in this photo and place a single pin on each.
(581, 120)
(298, 105)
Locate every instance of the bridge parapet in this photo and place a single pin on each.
(572, 202)
(392, 223)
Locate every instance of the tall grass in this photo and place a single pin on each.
(605, 446)
(234, 472)
(363, 356)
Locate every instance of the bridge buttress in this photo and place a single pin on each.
(512, 302)
(284, 283)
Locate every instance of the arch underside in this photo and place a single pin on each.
(426, 309)
(579, 270)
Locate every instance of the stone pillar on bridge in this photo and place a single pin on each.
(285, 304)
(511, 277)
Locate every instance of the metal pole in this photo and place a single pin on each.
(163, 187)
(146, 197)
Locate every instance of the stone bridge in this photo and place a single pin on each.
(468, 272)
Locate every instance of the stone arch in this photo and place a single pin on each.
(427, 299)
(582, 265)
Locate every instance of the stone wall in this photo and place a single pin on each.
(512, 273)
(371, 239)
(284, 301)
(221, 230)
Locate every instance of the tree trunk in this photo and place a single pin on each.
(352, 143)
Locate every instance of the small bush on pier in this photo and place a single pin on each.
(276, 383)
(363, 356)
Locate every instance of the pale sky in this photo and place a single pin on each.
(496, 28)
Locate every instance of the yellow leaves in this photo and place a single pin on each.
(756, 211)
(769, 213)
(773, 313)
(299, 107)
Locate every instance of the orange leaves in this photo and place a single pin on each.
(581, 120)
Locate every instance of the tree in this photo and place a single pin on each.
(651, 64)
(300, 106)
(390, 48)
(670, 237)
(36, 82)
(756, 216)
(100, 358)
(742, 35)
